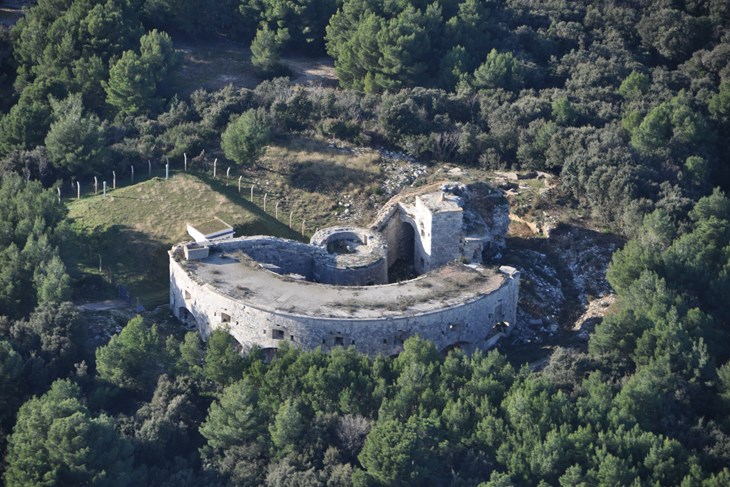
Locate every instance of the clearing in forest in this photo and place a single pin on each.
(214, 64)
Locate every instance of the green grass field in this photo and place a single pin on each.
(133, 227)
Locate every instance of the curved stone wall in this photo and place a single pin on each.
(335, 292)
(465, 318)
(285, 257)
(355, 257)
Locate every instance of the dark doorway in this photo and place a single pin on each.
(187, 318)
(454, 346)
(402, 269)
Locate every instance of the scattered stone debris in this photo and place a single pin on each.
(399, 171)
(102, 324)
(563, 277)
(541, 296)
(587, 254)
(594, 313)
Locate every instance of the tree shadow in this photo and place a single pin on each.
(317, 176)
(573, 261)
(126, 257)
(267, 224)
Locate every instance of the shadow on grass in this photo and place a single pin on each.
(117, 195)
(326, 178)
(127, 257)
(266, 225)
(139, 261)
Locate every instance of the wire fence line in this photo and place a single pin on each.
(280, 208)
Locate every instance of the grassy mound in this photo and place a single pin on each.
(133, 227)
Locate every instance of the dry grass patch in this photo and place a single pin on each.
(314, 178)
(213, 65)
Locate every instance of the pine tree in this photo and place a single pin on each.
(56, 441)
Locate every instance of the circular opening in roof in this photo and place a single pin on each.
(346, 244)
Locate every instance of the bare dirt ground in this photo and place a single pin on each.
(105, 305)
(311, 71)
(11, 11)
(216, 63)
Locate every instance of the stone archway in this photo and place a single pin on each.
(403, 268)
(455, 346)
(407, 244)
(269, 353)
(187, 318)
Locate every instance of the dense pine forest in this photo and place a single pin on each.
(626, 102)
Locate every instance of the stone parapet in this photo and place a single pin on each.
(335, 291)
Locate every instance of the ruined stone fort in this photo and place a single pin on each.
(420, 269)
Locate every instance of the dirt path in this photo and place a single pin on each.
(105, 305)
(213, 64)
(11, 11)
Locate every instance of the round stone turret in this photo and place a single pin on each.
(355, 257)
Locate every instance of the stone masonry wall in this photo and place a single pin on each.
(289, 256)
(446, 234)
(466, 325)
(368, 265)
(439, 231)
(391, 231)
(374, 273)
(438, 239)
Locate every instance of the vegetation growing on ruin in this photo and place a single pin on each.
(627, 104)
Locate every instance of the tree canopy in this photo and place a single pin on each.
(246, 137)
(627, 104)
(56, 441)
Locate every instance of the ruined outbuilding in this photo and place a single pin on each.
(419, 269)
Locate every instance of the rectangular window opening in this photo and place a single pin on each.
(225, 318)
(277, 334)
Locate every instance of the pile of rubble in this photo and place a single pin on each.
(541, 296)
(399, 171)
(586, 254)
(562, 277)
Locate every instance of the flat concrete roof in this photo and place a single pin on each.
(441, 201)
(210, 227)
(236, 275)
